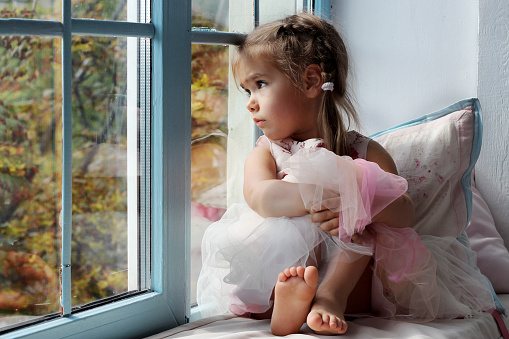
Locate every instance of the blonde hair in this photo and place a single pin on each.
(294, 43)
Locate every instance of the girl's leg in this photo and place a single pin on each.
(293, 295)
(313, 260)
(330, 302)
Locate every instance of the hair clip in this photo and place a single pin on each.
(328, 86)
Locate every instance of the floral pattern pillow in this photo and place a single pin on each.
(436, 154)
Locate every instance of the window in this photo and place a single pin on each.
(99, 184)
(75, 173)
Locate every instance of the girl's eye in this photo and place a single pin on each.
(248, 92)
(261, 84)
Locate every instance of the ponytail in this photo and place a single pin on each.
(330, 121)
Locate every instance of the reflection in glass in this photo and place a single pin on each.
(211, 14)
(32, 9)
(209, 107)
(100, 10)
(52, 9)
(30, 172)
(99, 247)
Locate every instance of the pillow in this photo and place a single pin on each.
(436, 154)
(492, 255)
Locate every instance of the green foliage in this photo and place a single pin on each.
(209, 89)
(30, 170)
(31, 159)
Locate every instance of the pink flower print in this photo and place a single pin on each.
(440, 178)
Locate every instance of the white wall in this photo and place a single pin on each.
(493, 165)
(410, 57)
(415, 57)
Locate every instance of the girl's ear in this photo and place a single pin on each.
(313, 81)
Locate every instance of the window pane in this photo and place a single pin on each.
(32, 9)
(209, 107)
(52, 9)
(210, 14)
(30, 172)
(100, 195)
(275, 10)
(100, 10)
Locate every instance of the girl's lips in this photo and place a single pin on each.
(259, 122)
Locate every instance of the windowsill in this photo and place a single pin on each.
(15, 319)
(149, 311)
(194, 314)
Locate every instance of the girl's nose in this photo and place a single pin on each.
(251, 105)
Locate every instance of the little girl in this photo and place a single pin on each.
(322, 204)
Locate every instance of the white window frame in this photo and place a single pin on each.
(166, 303)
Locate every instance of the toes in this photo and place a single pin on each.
(342, 327)
(338, 325)
(326, 323)
(293, 271)
(333, 323)
(314, 320)
(300, 271)
(311, 275)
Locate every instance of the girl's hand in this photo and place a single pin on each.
(329, 222)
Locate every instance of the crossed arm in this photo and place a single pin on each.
(271, 197)
(264, 193)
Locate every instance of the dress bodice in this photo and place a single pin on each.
(283, 149)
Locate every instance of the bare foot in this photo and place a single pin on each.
(293, 294)
(326, 316)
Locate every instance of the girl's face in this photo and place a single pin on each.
(277, 107)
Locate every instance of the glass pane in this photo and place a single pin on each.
(32, 9)
(100, 10)
(211, 14)
(270, 10)
(52, 9)
(100, 195)
(30, 172)
(209, 107)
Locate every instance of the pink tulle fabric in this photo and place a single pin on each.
(415, 278)
(357, 189)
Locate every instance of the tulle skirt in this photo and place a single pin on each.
(414, 278)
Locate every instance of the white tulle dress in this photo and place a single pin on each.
(419, 278)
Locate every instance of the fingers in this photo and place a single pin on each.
(330, 225)
(329, 222)
(334, 232)
(324, 215)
